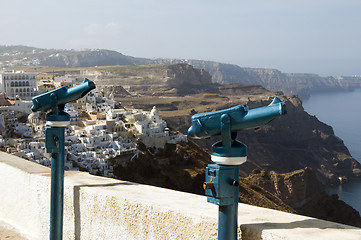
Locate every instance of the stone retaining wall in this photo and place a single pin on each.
(103, 208)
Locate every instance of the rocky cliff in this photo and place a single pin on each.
(297, 192)
(295, 141)
(302, 84)
(153, 80)
(186, 79)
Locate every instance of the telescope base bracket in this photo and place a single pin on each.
(221, 188)
(236, 154)
(228, 160)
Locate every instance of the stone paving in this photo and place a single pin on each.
(9, 233)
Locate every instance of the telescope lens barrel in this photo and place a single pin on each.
(61, 96)
(205, 125)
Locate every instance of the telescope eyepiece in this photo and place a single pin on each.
(205, 125)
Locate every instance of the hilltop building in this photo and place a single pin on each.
(151, 127)
(19, 84)
(63, 81)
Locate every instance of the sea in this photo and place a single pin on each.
(342, 111)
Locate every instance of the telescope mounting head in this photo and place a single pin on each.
(229, 121)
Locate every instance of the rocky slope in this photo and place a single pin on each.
(90, 58)
(180, 167)
(298, 140)
(22, 55)
(292, 142)
(296, 192)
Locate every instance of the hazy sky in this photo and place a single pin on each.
(314, 36)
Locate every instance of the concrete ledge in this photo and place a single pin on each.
(102, 208)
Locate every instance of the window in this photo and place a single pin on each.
(12, 84)
(27, 83)
(16, 84)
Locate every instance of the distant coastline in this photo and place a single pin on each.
(331, 109)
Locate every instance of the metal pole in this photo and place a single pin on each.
(55, 146)
(228, 214)
(57, 191)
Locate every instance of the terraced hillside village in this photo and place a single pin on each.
(294, 148)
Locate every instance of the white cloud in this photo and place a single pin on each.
(96, 35)
(109, 29)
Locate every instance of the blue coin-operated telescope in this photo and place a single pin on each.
(57, 120)
(222, 178)
(59, 97)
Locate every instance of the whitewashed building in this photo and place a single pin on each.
(152, 128)
(23, 130)
(22, 106)
(63, 81)
(19, 84)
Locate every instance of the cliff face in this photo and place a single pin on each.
(291, 142)
(180, 167)
(187, 79)
(153, 80)
(297, 192)
(302, 84)
(298, 140)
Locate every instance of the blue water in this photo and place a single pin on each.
(342, 110)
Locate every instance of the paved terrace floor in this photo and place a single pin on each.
(7, 232)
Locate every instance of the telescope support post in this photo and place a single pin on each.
(57, 120)
(54, 143)
(222, 178)
(228, 214)
(57, 193)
